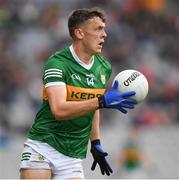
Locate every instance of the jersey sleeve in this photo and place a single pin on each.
(54, 73)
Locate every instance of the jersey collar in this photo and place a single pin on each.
(86, 66)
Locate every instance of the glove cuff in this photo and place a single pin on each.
(101, 102)
(95, 142)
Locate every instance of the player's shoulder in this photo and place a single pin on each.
(58, 58)
(103, 61)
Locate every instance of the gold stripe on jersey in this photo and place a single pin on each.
(44, 93)
(77, 93)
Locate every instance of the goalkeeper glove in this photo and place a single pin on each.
(117, 100)
(99, 158)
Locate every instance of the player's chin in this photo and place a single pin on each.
(98, 50)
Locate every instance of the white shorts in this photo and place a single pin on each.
(39, 155)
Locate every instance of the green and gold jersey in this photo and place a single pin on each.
(132, 155)
(70, 137)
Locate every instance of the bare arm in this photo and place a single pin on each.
(95, 133)
(63, 109)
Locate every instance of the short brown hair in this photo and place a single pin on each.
(79, 16)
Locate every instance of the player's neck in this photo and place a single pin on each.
(82, 54)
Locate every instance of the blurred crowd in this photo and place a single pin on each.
(142, 35)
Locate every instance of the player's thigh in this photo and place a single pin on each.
(35, 174)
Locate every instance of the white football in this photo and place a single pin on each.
(132, 80)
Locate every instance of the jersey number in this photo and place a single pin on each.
(90, 81)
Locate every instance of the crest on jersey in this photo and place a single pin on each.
(103, 78)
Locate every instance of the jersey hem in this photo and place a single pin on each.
(59, 150)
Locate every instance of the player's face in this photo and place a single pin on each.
(94, 35)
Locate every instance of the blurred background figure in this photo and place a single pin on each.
(130, 161)
(142, 35)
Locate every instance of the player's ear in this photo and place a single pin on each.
(79, 33)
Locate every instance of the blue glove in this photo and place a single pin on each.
(99, 158)
(117, 100)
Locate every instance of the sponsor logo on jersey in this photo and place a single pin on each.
(90, 75)
(74, 76)
(78, 93)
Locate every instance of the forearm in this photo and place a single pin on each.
(95, 133)
(73, 109)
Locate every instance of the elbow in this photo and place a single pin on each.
(59, 115)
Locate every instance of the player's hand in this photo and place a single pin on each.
(99, 158)
(117, 100)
